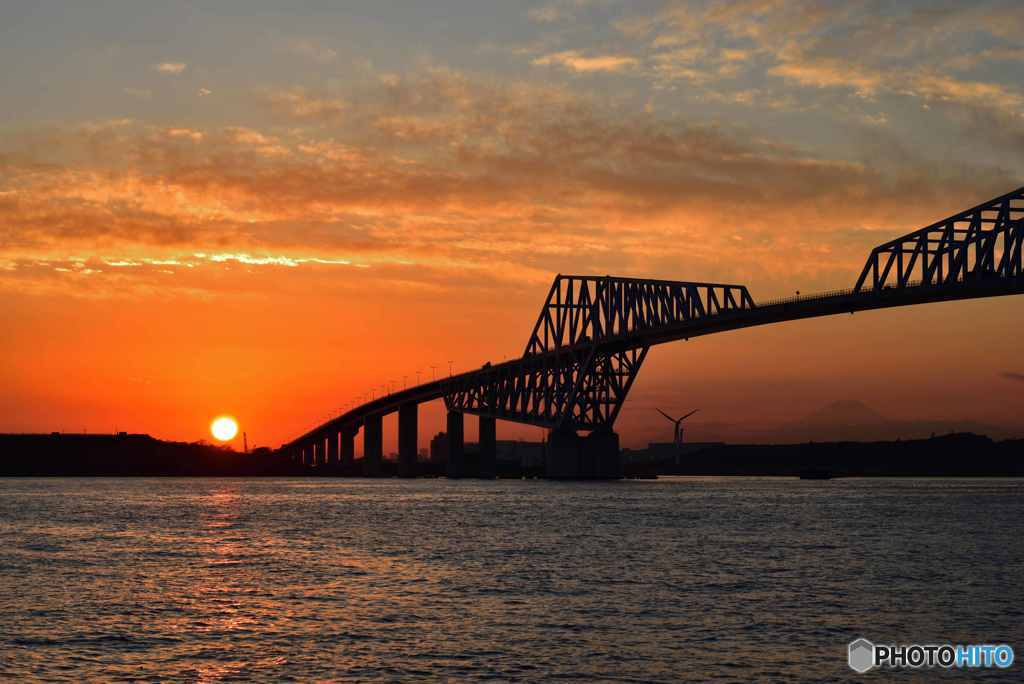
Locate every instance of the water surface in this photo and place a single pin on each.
(696, 579)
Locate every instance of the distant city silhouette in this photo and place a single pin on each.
(141, 455)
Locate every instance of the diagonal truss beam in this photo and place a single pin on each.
(569, 373)
(982, 242)
(592, 309)
(583, 388)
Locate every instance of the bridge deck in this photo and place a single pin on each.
(773, 311)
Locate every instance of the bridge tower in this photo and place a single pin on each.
(587, 346)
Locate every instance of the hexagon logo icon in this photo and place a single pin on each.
(861, 655)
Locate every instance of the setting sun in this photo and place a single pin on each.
(224, 428)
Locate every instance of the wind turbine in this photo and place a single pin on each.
(677, 438)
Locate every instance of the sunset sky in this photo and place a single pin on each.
(271, 209)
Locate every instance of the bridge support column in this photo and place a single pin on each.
(332, 448)
(373, 445)
(601, 455)
(563, 454)
(408, 418)
(594, 457)
(456, 445)
(488, 448)
(348, 447)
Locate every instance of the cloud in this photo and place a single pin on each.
(262, 144)
(829, 74)
(967, 62)
(939, 87)
(927, 52)
(547, 14)
(1009, 375)
(171, 68)
(443, 169)
(139, 93)
(188, 133)
(880, 119)
(296, 103)
(574, 61)
(560, 10)
(313, 51)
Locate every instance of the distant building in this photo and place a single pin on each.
(439, 448)
(520, 453)
(666, 453)
(507, 451)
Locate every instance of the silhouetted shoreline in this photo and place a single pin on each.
(134, 455)
(123, 455)
(955, 455)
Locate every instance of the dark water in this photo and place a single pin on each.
(683, 579)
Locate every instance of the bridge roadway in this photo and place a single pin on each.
(310, 447)
(594, 332)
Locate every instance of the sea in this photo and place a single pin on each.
(668, 580)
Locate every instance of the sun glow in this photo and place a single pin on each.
(224, 428)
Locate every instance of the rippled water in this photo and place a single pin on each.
(680, 579)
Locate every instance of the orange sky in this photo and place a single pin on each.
(272, 218)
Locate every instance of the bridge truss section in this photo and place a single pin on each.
(983, 243)
(586, 349)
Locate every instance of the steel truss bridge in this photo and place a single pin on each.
(594, 332)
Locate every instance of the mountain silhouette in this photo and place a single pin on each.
(852, 420)
(847, 412)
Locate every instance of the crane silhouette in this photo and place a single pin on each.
(677, 437)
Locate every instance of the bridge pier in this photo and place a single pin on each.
(488, 448)
(408, 418)
(332, 448)
(601, 454)
(348, 447)
(594, 457)
(373, 445)
(456, 445)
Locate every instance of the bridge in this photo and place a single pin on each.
(594, 332)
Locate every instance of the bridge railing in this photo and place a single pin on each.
(835, 294)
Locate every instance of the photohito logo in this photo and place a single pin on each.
(862, 655)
